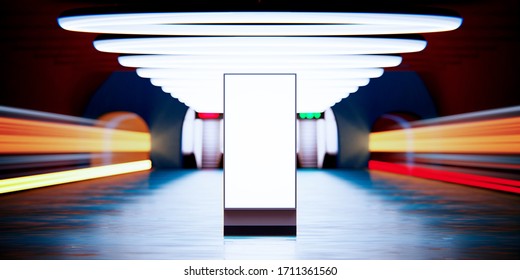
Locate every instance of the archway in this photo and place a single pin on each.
(391, 121)
(120, 120)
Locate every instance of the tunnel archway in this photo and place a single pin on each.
(391, 121)
(402, 91)
(121, 121)
(164, 115)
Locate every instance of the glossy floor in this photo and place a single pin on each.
(178, 215)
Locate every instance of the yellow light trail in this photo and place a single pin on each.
(498, 136)
(29, 136)
(61, 177)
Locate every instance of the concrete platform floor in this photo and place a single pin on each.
(342, 214)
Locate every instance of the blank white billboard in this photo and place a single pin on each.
(259, 141)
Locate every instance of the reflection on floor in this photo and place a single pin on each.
(178, 215)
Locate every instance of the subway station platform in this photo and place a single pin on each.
(179, 215)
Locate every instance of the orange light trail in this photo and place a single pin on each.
(498, 136)
(61, 177)
(19, 136)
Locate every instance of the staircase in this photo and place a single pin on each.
(211, 144)
(308, 153)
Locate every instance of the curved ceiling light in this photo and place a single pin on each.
(217, 83)
(260, 45)
(328, 68)
(259, 23)
(209, 91)
(327, 74)
(307, 100)
(283, 61)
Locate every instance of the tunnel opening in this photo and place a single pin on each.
(115, 121)
(395, 121)
(202, 140)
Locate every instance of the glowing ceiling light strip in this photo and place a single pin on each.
(62, 177)
(203, 91)
(345, 84)
(306, 93)
(258, 42)
(320, 61)
(201, 95)
(280, 23)
(259, 46)
(304, 104)
(213, 74)
(267, 68)
(262, 30)
(216, 85)
(308, 82)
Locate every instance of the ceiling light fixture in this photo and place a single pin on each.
(273, 61)
(259, 23)
(260, 45)
(191, 68)
(187, 74)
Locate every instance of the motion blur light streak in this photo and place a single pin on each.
(30, 136)
(48, 179)
(483, 161)
(43, 116)
(448, 176)
(38, 149)
(17, 162)
(479, 149)
(501, 136)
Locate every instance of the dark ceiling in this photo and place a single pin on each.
(470, 69)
